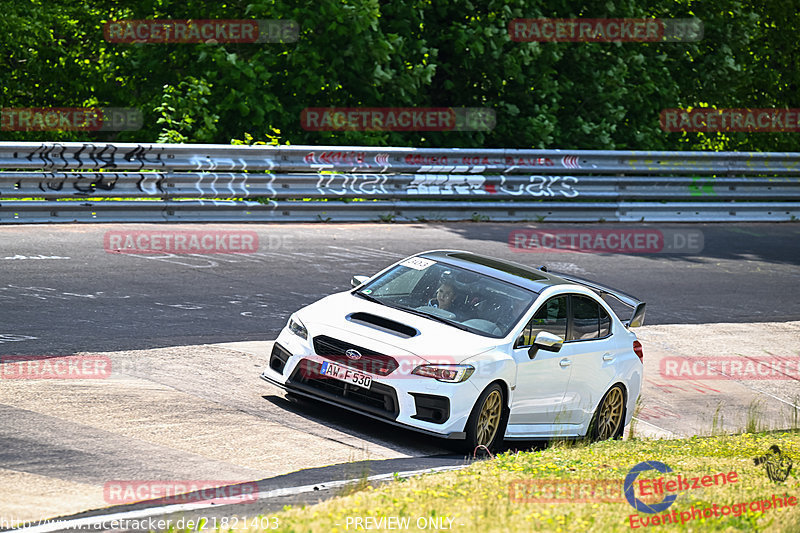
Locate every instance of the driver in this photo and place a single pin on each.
(446, 296)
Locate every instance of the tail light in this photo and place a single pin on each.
(637, 348)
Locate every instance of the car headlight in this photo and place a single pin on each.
(297, 327)
(447, 373)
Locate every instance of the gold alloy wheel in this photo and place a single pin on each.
(489, 418)
(610, 417)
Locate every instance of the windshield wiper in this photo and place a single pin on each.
(434, 317)
(369, 298)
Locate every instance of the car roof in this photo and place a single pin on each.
(523, 276)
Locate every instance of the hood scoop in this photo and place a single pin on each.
(383, 324)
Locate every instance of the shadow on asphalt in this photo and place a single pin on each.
(385, 434)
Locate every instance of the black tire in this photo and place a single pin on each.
(608, 421)
(491, 405)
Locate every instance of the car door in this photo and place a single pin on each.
(538, 397)
(592, 353)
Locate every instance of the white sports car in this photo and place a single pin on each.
(463, 346)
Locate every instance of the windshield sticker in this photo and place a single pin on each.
(417, 263)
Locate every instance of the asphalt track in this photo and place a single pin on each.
(62, 293)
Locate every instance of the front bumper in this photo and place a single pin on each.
(418, 403)
(338, 402)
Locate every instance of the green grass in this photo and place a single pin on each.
(477, 498)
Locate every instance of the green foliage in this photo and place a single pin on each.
(406, 53)
(184, 113)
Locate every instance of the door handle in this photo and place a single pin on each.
(564, 363)
(608, 356)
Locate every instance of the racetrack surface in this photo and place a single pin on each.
(188, 335)
(60, 286)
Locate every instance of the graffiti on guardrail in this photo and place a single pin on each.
(330, 158)
(358, 184)
(341, 184)
(228, 163)
(212, 182)
(435, 163)
(511, 162)
(82, 183)
(151, 183)
(55, 155)
(446, 184)
(538, 186)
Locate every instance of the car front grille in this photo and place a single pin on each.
(370, 361)
(380, 399)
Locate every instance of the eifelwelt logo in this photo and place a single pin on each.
(630, 495)
(656, 487)
(51, 367)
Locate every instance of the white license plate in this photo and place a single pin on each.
(345, 374)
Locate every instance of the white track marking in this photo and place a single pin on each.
(89, 522)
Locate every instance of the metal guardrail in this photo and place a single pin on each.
(90, 182)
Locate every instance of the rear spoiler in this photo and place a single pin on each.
(638, 306)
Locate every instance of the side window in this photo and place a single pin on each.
(605, 322)
(551, 317)
(585, 318)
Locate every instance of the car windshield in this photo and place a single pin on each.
(463, 298)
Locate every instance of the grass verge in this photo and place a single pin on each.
(478, 498)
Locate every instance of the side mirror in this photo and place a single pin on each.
(355, 281)
(545, 341)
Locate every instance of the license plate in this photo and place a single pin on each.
(345, 374)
